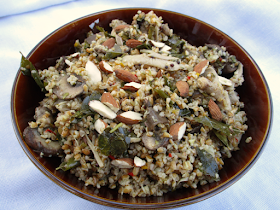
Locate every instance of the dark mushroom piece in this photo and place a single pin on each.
(36, 142)
(90, 38)
(212, 46)
(229, 68)
(152, 143)
(61, 64)
(64, 90)
(40, 111)
(153, 118)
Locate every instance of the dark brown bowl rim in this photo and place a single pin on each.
(119, 204)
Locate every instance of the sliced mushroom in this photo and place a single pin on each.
(153, 118)
(229, 68)
(61, 63)
(212, 46)
(40, 111)
(64, 90)
(90, 38)
(43, 116)
(152, 143)
(36, 142)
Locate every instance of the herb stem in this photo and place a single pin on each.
(116, 127)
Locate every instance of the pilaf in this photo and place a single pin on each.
(139, 109)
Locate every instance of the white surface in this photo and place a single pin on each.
(253, 24)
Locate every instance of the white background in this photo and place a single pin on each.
(255, 25)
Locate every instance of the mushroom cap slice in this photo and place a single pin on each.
(152, 143)
(64, 90)
(153, 118)
(36, 142)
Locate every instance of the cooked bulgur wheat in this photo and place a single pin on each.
(141, 110)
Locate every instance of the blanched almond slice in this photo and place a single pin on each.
(100, 126)
(104, 66)
(93, 72)
(138, 162)
(215, 110)
(183, 88)
(129, 117)
(166, 48)
(225, 81)
(109, 101)
(126, 76)
(102, 109)
(132, 86)
(109, 43)
(201, 66)
(123, 162)
(177, 130)
(158, 44)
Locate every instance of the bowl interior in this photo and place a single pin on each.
(254, 93)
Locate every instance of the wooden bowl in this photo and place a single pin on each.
(254, 93)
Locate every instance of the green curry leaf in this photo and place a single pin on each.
(113, 143)
(209, 164)
(222, 127)
(71, 163)
(28, 69)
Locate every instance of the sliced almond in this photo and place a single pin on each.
(93, 72)
(215, 110)
(138, 162)
(102, 109)
(123, 162)
(109, 43)
(201, 66)
(132, 86)
(159, 74)
(100, 126)
(183, 88)
(157, 44)
(104, 66)
(120, 27)
(109, 101)
(133, 43)
(129, 117)
(225, 81)
(165, 48)
(126, 75)
(178, 130)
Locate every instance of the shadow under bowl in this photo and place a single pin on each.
(254, 93)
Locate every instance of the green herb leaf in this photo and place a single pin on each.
(222, 137)
(184, 112)
(112, 54)
(71, 163)
(179, 55)
(101, 29)
(28, 69)
(222, 127)
(176, 43)
(151, 32)
(161, 93)
(113, 143)
(104, 144)
(209, 164)
(144, 46)
(170, 83)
